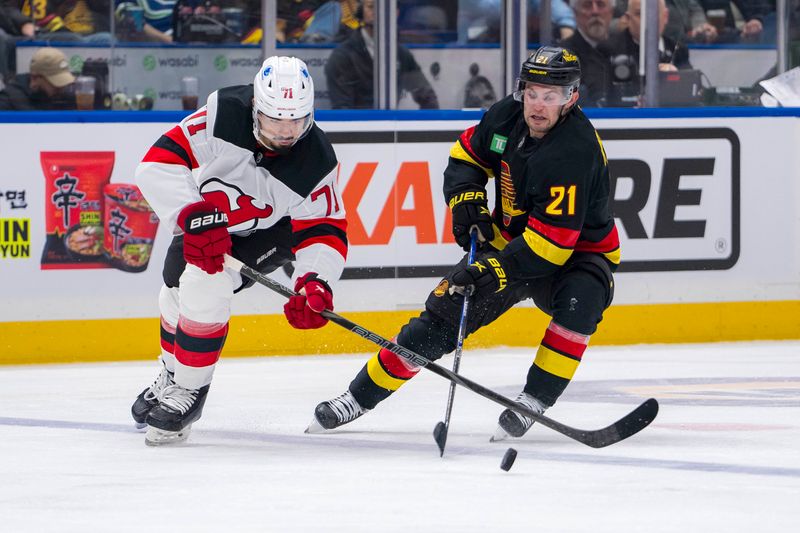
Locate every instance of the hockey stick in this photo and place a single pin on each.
(626, 426)
(441, 429)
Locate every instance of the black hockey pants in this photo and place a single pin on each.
(575, 297)
(265, 250)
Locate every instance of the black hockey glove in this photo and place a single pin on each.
(470, 209)
(487, 275)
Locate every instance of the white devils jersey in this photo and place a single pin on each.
(212, 155)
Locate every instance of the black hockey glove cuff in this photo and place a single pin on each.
(470, 209)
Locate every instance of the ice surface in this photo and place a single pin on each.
(722, 455)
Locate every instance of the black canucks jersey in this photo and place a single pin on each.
(551, 194)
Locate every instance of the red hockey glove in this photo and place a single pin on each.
(487, 275)
(206, 239)
(313, 297)
(471, 210)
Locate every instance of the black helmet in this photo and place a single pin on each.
(551, 65)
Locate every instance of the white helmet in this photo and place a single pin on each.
(283, 94)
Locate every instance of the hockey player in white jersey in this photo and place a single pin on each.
(248, 174)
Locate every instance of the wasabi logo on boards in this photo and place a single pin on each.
(15, 238)
(220, 63)
(245, 62)
(76, 63)
(316, 61)
(179, 62)
(169, 95)
(149, 62)
(116, 60)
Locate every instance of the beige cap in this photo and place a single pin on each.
(53, 65)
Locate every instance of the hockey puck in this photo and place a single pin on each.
(508, 459)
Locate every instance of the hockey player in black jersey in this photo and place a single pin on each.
(249, 174)
(550, 237)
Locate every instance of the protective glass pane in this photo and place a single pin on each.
(591, 40)
(711, 52)
(172, 54)
(334, 38)
(449, 54)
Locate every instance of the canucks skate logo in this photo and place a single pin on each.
(243, 210)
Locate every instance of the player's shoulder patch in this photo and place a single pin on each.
(233, 120)
(308, 162)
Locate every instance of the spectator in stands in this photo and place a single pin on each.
(623, 47)
(157, 18)
(673, 56)
(48, 86)
(479, 20)
(333, 21)
(688, 22)
(350, 69)
(293, 18)
(427, 21)
(753, 13)
(14, 27)
(589, 44)
(82, 21)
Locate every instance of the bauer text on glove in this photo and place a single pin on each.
(470, 209)
(487, 275)
(206, 239)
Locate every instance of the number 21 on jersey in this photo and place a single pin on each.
(562, 195)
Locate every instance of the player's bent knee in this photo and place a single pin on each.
(169, 304)
(429, 336)
(206, 297)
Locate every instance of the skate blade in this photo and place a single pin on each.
(314, 428)
(499, 435)
(159, 437)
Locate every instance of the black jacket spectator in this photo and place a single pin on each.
(14, 27)
(624, 52)
(595, 70)
(12, 20)
(622, 44)
(18, 96)
(750, 9)
(49, 85)
(349, 72)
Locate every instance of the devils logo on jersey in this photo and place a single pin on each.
(242, 209)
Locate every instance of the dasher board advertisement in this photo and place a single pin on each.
(706, 212)
(675, 193)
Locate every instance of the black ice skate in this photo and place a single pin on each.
(148, 398)
(171, 420)
(513, 424)
(334, 413)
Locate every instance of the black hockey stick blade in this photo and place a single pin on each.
(440, 436)
(628, 425)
